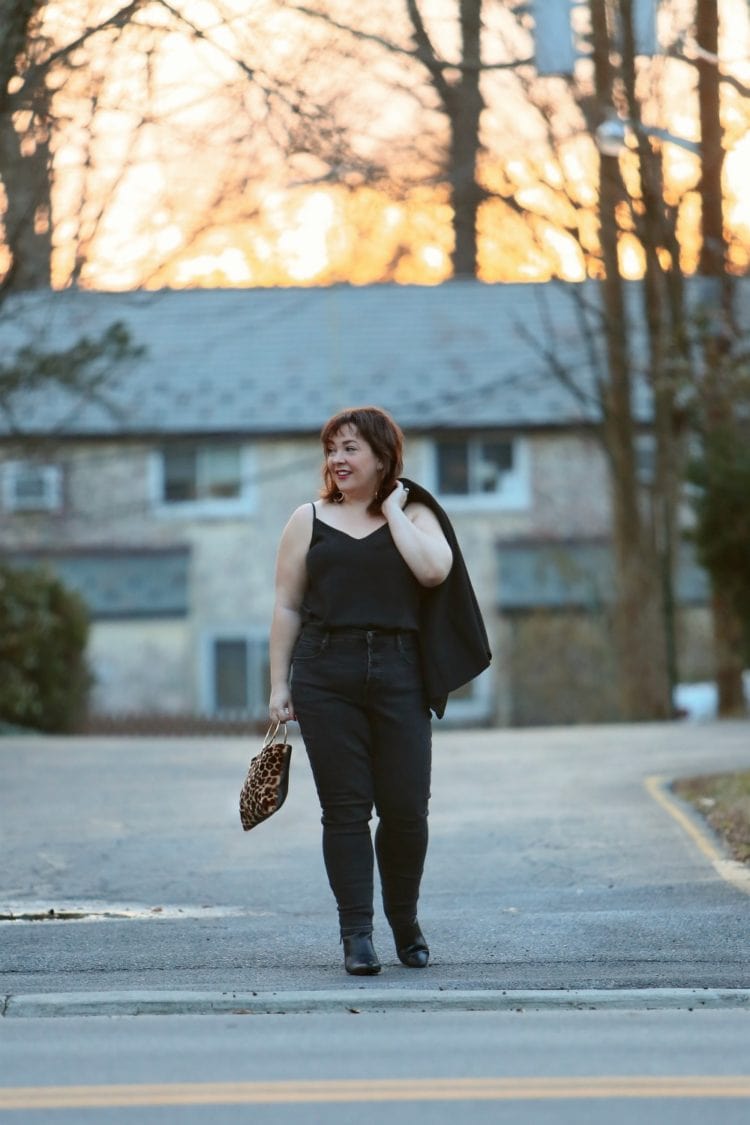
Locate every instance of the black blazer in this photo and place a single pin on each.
(452, 637)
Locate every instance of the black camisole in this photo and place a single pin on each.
(358, 583)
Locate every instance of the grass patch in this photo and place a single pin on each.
(724, 800)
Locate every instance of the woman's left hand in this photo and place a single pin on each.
(396, 499)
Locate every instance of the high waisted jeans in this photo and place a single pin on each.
(360, 702)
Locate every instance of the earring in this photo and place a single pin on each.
(338, 498)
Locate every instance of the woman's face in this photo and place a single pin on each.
(353, 464)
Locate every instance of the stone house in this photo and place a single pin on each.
(161, 498)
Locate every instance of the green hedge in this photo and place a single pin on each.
(44, 678)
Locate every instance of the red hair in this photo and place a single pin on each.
(382, 434)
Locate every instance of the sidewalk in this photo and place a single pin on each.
(554, 879)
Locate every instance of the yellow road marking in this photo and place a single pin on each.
(374, 1090)
(729, 869)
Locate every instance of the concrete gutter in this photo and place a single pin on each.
(366, 999)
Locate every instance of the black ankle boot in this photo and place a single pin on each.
(360, 958)
(411, 946)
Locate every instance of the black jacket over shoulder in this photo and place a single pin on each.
(453, 639)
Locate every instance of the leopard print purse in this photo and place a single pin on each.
(267, 783)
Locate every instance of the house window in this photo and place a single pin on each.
(483, 470)
(238, 680)
(32, 487)
(210, 478)
(231, 687)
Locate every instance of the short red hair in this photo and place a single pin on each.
(384, 436)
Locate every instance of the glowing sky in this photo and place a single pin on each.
(168, 185)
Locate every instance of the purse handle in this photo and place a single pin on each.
(271, 733)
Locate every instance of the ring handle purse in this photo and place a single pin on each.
(267, 782)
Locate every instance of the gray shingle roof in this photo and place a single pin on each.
(283, 360)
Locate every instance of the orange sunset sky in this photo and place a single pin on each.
(173, 179)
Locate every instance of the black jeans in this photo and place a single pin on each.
(360, 702)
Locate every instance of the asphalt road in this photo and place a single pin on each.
(566, 1068)
(551, 866)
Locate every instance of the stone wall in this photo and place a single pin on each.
(108, 501)
(141, 667)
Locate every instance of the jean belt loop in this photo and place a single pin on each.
(324, 642)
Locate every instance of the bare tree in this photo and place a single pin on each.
(724, 462)
(24, 150)
(685, 364)
(291, 106)
(441, 73)
(640, 612)
(85, 370)
(645, 538)
(112, 155)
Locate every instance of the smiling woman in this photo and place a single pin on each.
(355, 575)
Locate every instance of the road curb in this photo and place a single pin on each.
(738, 874)
(356, 1000)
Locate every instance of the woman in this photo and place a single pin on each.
(352, 574)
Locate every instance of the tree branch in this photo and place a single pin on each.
(427, 55)
(435, 65)
(117, 19)
(704, 57)
(355, 32)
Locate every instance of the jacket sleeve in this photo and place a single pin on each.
(453, 638)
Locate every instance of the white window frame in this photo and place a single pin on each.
(212, 507)
(256, 643)
(51, 477)
(514, 496)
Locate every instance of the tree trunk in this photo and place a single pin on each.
(464, 110)
(713, 249)
(664, 317)
(15, 20)
(728, 644)
(727, 625)
(25, 166)
(639, 610)
(24, 157)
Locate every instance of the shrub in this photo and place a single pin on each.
(44, 679)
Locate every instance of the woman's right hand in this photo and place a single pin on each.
(280, 706)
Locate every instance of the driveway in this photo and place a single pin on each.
(552, 866)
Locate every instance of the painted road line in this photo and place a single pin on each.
(738, 874)
(647, 1087)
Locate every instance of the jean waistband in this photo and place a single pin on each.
(352, 631)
